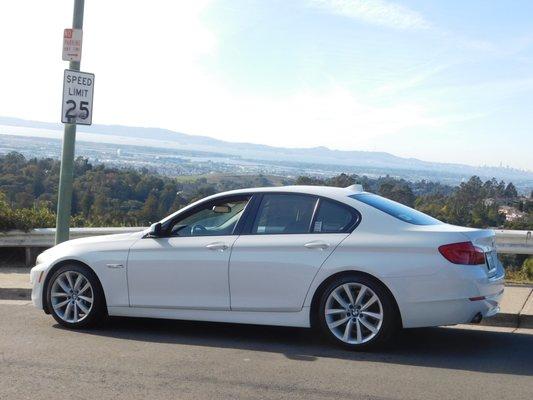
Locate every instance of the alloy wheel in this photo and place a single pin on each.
(72, 296)
(354, 313)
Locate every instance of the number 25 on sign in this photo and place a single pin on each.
(77, 98)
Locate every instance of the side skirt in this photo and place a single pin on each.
(296, 319)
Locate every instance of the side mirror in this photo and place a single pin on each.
(155, 230)
(223, 209)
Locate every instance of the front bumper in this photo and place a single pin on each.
(37, 279)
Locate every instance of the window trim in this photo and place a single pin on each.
(258, 198)
(236, 230)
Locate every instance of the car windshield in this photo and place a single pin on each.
(397, 210)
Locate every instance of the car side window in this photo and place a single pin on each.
(212, 219)
(333, 218)
(284, 214)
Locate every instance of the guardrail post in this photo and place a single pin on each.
(29, 253)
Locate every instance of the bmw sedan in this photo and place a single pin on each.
(353, 265)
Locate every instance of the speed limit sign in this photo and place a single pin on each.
(77, 98)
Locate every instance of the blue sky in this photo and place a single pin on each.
(447, 81)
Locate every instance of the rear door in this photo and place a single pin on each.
(275, 259)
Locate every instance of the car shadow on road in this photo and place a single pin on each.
(451, 348)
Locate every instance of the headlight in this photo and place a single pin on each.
(41, 258)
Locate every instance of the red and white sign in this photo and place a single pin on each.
(72, 39)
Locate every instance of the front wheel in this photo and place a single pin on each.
(356, 313)
(75, 297)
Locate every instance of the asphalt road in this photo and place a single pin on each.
(156, 359)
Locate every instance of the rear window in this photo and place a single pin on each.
(397, 210)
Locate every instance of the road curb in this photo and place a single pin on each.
(525, 321)
(15, 294)
(506, 320)
(509, 321)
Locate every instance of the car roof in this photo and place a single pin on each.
(326, 191)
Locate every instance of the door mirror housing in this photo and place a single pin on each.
(155, 230)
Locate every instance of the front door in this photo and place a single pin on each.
(188, 266)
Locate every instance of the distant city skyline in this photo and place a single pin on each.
(438, 81)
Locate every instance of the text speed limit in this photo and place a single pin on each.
(77, 98)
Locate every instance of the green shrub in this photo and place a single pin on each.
(523, 274)
(527, 268)
(24, 218)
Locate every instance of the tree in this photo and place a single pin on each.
(309, 181)
(341, 180)
(166, 200)
(85, 203)
(510, 191)
(149, 211)
(399, 192)
(500, 189)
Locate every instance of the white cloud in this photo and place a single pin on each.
(333, 117)
(377, 12)
(417, 79)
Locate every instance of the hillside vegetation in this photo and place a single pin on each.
(126, 197)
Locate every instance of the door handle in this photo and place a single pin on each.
(217, 246)
(317, 244)
(115, 265)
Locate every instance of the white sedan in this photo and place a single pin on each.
(352, 264)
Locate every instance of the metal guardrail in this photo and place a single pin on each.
(514, 242)
(45, 237)
(507, 241)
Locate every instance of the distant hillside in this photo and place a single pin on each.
(371, 160)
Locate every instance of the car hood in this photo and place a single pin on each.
(102, 239)
(90, 244)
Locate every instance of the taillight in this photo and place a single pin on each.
(463, 253)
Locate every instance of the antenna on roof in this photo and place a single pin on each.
(356, 188)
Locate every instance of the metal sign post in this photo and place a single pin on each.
(64, 200)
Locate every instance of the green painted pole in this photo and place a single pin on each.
(64, 198)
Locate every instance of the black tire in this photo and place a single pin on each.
(96, 312)
(389, 322)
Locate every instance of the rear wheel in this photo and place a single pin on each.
(75, 297)
(357, 313)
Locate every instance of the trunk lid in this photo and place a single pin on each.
(483, 238)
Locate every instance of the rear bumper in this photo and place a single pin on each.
(454, 295)
(452, 312)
